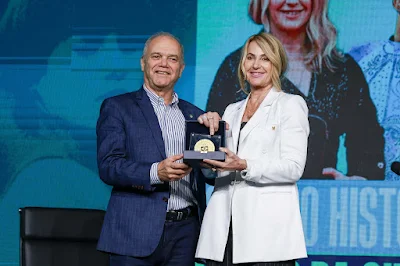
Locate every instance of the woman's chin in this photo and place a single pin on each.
(259, 84)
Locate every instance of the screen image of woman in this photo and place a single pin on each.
(331, 83)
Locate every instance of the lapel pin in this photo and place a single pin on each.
(191, 116)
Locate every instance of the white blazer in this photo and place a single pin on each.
(264, 206)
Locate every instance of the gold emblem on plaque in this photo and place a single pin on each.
(204, 146)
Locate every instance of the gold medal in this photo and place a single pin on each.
(204, 146)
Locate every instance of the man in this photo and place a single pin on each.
(157, 201)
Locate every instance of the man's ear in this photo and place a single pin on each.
(142, 63)
(182, 68)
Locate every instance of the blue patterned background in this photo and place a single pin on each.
(60, 58)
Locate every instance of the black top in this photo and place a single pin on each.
(339, 104)
(242, 125)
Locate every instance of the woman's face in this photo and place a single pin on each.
(289, 15)
(257, 67)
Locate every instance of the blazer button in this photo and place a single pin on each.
(165, 199)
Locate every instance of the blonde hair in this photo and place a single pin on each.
(321, 34)
(275, 53)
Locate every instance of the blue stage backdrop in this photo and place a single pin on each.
(60, 58)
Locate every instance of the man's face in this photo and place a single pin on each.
(396, 5)
(162, 64)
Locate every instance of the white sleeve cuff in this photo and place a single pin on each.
(245, 174)
(154, 179)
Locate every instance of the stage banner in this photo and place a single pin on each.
(351, 218)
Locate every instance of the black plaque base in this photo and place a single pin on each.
(194, 158)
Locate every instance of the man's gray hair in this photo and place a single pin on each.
(163, 34)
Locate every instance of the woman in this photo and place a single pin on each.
(253, 216)
(332, 84)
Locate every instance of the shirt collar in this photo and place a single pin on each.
(154, 98)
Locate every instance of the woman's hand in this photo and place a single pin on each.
(211, 120)
(340, 176)
(232, 162)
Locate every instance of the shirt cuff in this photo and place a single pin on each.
(245, 174)
(154, 180)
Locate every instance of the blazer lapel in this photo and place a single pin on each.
(236, 121)
(151, 119)
(186, 111)
(260, 115)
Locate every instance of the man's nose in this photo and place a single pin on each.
(164, 61)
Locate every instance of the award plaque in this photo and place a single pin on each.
(200, 145)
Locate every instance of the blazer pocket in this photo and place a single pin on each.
(277, 189)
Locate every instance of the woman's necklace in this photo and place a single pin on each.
(251, 107)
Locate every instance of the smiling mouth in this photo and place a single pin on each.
(256, 74)
(162, 72)
(291, 12)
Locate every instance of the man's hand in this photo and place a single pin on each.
(340, 176)
(171, 170)
(211, 120)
